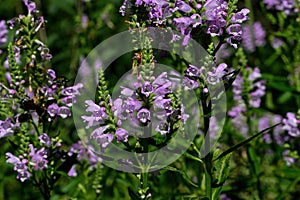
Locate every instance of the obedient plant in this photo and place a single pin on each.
(154, 105)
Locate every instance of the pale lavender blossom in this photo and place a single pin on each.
(73, 90)
(6, 128)
(98, 114)
(3, 33)
(23, 176)
(122, 135)
(72, 172)
(53, 110)
(144, 115)
(253, 36)
(30, 6)
(45, 139)
(291, 124)
(214, 76)
(38, 159)
(147, 89)
(163, 128)
(287, 158)
(240, 16)
(234, 29)
(190, 84)
(192, 71)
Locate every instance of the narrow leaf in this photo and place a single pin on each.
(184, 175)
(233, 148)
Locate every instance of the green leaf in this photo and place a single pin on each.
(221, 170)
(216, 192)
(184, 175)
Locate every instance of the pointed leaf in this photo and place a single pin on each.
(184, 175)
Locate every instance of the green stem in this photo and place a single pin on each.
(208, 175)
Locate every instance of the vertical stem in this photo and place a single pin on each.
(208, 176)
(208, 158)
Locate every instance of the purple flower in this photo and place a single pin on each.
(216, 74)
(126, 91)
(144, 115)
(104, 140)
(147, 89)
(68, 101)
(215, 9)
(190, 84)
(240, 16)
(287, 158)
(45, 51)
(72, 172)
(99, 131)
(23, 176)
(48, 92)
(192, 71)
(224, 197)
(11, 159)
(38, 159)
(182, 6)
(255, 74)
(52, 74)
(30, 6)
(182, 23)
(234, 29)
(196, 20)
(6, 128)
(255, 96)
(291, 124)
(163, 89)
(126, 4)
(163, 128)
(53, 110)
(84, 21)
(234, 40)
(250, 41)
(3, 32)
(73, 90)
(132, 105)
(163, 103)
(236, 111)
(276, 43)
(64, 112)
(21, 166)
(45, 139)
(214, 30)
(161, 80)
(98, 116)
(78, 149)
(122, 135)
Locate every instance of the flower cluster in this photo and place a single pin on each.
(143, 104)
(7, 127)
(197, 77)
(276, 134)
(253, 36)
(287, 6)
(3, 33)
(36, 160)
(291, 124)
(83, 154)
(186, 16)
(248, 89)
(158, 106)
(27, 27)
(66, 96)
